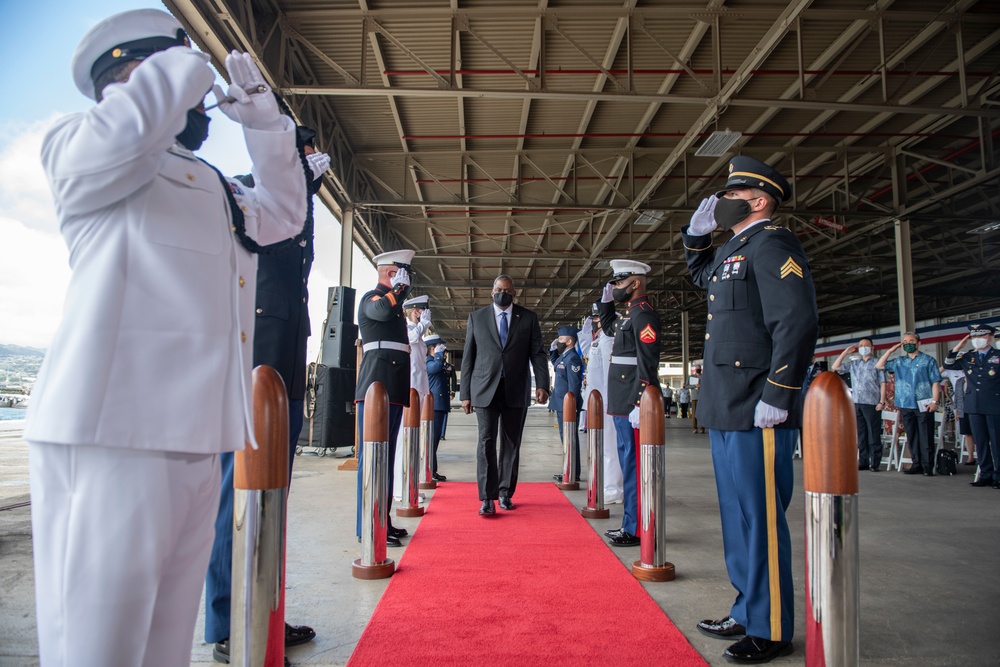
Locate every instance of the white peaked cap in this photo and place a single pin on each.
(115, 31)
(623, 268)
(417, 301)
(395, 257)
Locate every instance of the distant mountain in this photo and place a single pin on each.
(20, 351)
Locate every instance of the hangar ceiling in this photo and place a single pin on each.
(541, 138)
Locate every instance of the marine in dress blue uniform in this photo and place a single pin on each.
(981, 366)
(568, 379)
(635, 361)
(385, 359)
(439, 373)
(759, 340)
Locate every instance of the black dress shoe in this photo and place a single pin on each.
(914, 470)
(220, 651)
(506, 504)
(724, 629)
(438, 478)
(875, 467)
(298, 634)
(981, 482)
(557, 478)
(864, 466)
(625, 540)
(928, 473)
(751, 650)
(391, 541)
(487, 509)
(614, 532)
(396, 532)
(996, 485)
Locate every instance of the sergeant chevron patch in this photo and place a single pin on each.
(789, 268)
(648, 334)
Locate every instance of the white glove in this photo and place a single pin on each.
(633, 417)
(554, 344)
(425, 317)
(402, 278)
(703, 220)
(768, 416)
(257, 111)
(319, 163)
(442, 348)
(607, 296)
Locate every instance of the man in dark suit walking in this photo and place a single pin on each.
(500, 341)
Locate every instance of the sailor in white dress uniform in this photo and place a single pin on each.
(148, 377)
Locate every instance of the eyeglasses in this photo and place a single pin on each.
(499, 290)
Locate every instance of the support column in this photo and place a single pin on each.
(685, 342)
(904, 275)
(346, 246)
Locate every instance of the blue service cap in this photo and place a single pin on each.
(981, 329)
(568, 330)
(748, 172)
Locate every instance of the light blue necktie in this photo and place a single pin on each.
(503, 328)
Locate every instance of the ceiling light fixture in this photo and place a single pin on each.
(649, 218)
(861, 270)
(718, 143)
(985, 229)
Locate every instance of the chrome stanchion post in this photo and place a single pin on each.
(652, 565)
(569, 449)
(260, 488)
(830, 480)
(595, 479)
(373, 563)
(427, 443)
(411, 458)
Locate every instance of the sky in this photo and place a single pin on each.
(34, 263)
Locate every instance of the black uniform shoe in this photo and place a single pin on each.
(928, 473)
(914, 470)
(875, 467)
(298, 634)
(506, 504)
(391, 541)
(557, 478)
(751, 650)
(220, 651)
(625, 540)
(392, 531)
(614, 532)
(724, 629)
(438, 478)
(487, 509)
(996, 485)
(864, 466)
(981, 482)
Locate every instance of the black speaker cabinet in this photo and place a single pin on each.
(340, 304)
(334, 416)
(339, 350)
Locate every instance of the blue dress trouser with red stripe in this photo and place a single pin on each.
(750, 472)
(626, 457)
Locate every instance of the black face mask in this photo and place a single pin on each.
(502, 299)
(560, 347)
(195, 132)
(620, 294)
(731, 212)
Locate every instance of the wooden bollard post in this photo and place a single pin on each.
(411, 458)
(427, 480)
(652, 476)
(830, 480)
(569, 446)
(373, 563)
(260, 486)
(595, 480)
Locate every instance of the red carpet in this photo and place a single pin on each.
(535, 586)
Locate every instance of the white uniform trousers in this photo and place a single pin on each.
(614, 483)
(121, 543)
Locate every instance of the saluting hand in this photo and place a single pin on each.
(961, 344)
(318, 163)
(608, 295)
(254, 110)
(703, 219)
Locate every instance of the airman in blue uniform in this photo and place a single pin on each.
(981, 366)
(759, 340)
(568, 380)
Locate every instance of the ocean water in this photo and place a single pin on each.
(12, 414)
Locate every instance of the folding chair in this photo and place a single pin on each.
(897, 442)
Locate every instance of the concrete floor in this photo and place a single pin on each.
(930, 551)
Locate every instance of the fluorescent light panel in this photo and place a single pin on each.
(985, 229)
(718, 143)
